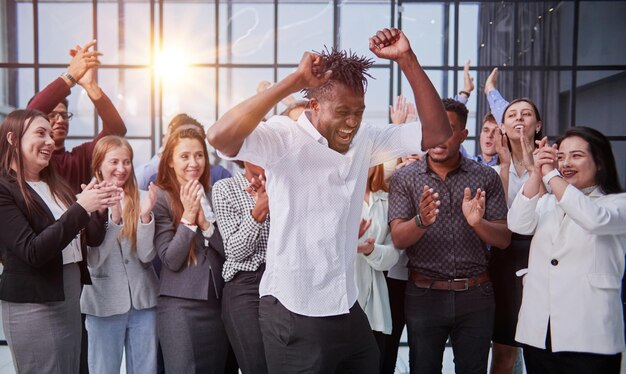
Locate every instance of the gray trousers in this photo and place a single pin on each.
(45, 337)
(299, 344)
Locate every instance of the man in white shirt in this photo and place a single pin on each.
(316, 171)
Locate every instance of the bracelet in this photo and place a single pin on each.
(464, 93)
(546, 178)
(69, 76)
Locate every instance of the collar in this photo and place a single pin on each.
(465, 165)
(307, 126)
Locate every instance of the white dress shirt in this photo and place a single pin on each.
(370, 279)
(71, 253)
(575, 268)
(315, 199)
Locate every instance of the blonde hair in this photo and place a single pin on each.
(131, 209)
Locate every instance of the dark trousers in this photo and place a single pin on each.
(465, 316)
(392, 342)
(299, 344)
(240, 313)
(540, 361)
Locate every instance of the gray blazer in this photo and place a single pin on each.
(172, 244)
(121, 278)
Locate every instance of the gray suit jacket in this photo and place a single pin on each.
(172, 244)
(121, 277)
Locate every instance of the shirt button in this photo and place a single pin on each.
(126, 261)
(554, 262)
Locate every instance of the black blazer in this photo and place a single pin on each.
(31, 245)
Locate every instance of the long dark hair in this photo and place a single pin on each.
(166, 177)
(17, 123)
(600, 150)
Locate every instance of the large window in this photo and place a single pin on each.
(162, 57)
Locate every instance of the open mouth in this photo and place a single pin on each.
(344, 134)
(519, 127)
(568, 173)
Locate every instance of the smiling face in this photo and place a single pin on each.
(576, 163)
(36, 148)
(117, 166)
(520, 119)
(487, 138)
(450, 150)
(188, 160)
(60, 125)
(338, 116)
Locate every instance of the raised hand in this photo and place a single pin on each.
(190, 195)
(545, 157)
(389, 44)
(261, 202)
(473, 208)
(468, 80)
(366, 247)
(399, 111)
(492, 80)
(502, 148)
(83, 59)
(528, 149)
(312, 70)
(412, 116)
(147, 203)
(428, 208)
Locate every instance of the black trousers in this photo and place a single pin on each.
(299, 344)
(388, 359)
(240, 313)
(544, 361)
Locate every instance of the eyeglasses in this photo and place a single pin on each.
(65, 115)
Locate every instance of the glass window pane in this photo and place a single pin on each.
(16, 88)
(468, 33)
(359, 21)
(377, 97)
(83, 123)
(194, 94)
(129, 90)
(565, 13)
(189, 31)
(303, 27)
(16, 40)
(246, 33)
(423, 25)
(238, 84)
(601, 45)
(61, 28)
(142, 151)
(435, 76)
(600, 99)
(124, 33)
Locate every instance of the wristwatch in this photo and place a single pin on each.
(419, 223)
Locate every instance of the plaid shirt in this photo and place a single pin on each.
(245, 240)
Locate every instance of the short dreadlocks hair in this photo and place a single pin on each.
(451, 105)
(348, 69)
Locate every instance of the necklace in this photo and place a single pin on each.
(588, 190)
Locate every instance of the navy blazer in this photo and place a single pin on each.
(172, 243)
(31, 245)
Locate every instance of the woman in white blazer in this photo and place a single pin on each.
(376, 255)
(571, 315)
(121, 303)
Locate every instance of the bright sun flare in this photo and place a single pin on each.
(171, 64)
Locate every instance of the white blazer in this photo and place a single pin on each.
(368, 270)
(575, 268)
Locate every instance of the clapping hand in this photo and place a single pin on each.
(473, 208)
(429, 206)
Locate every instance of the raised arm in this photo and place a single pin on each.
(82, 60)
(229, 132)
(497, 103)
(393, 45)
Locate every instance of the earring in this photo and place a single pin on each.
(537, 131)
